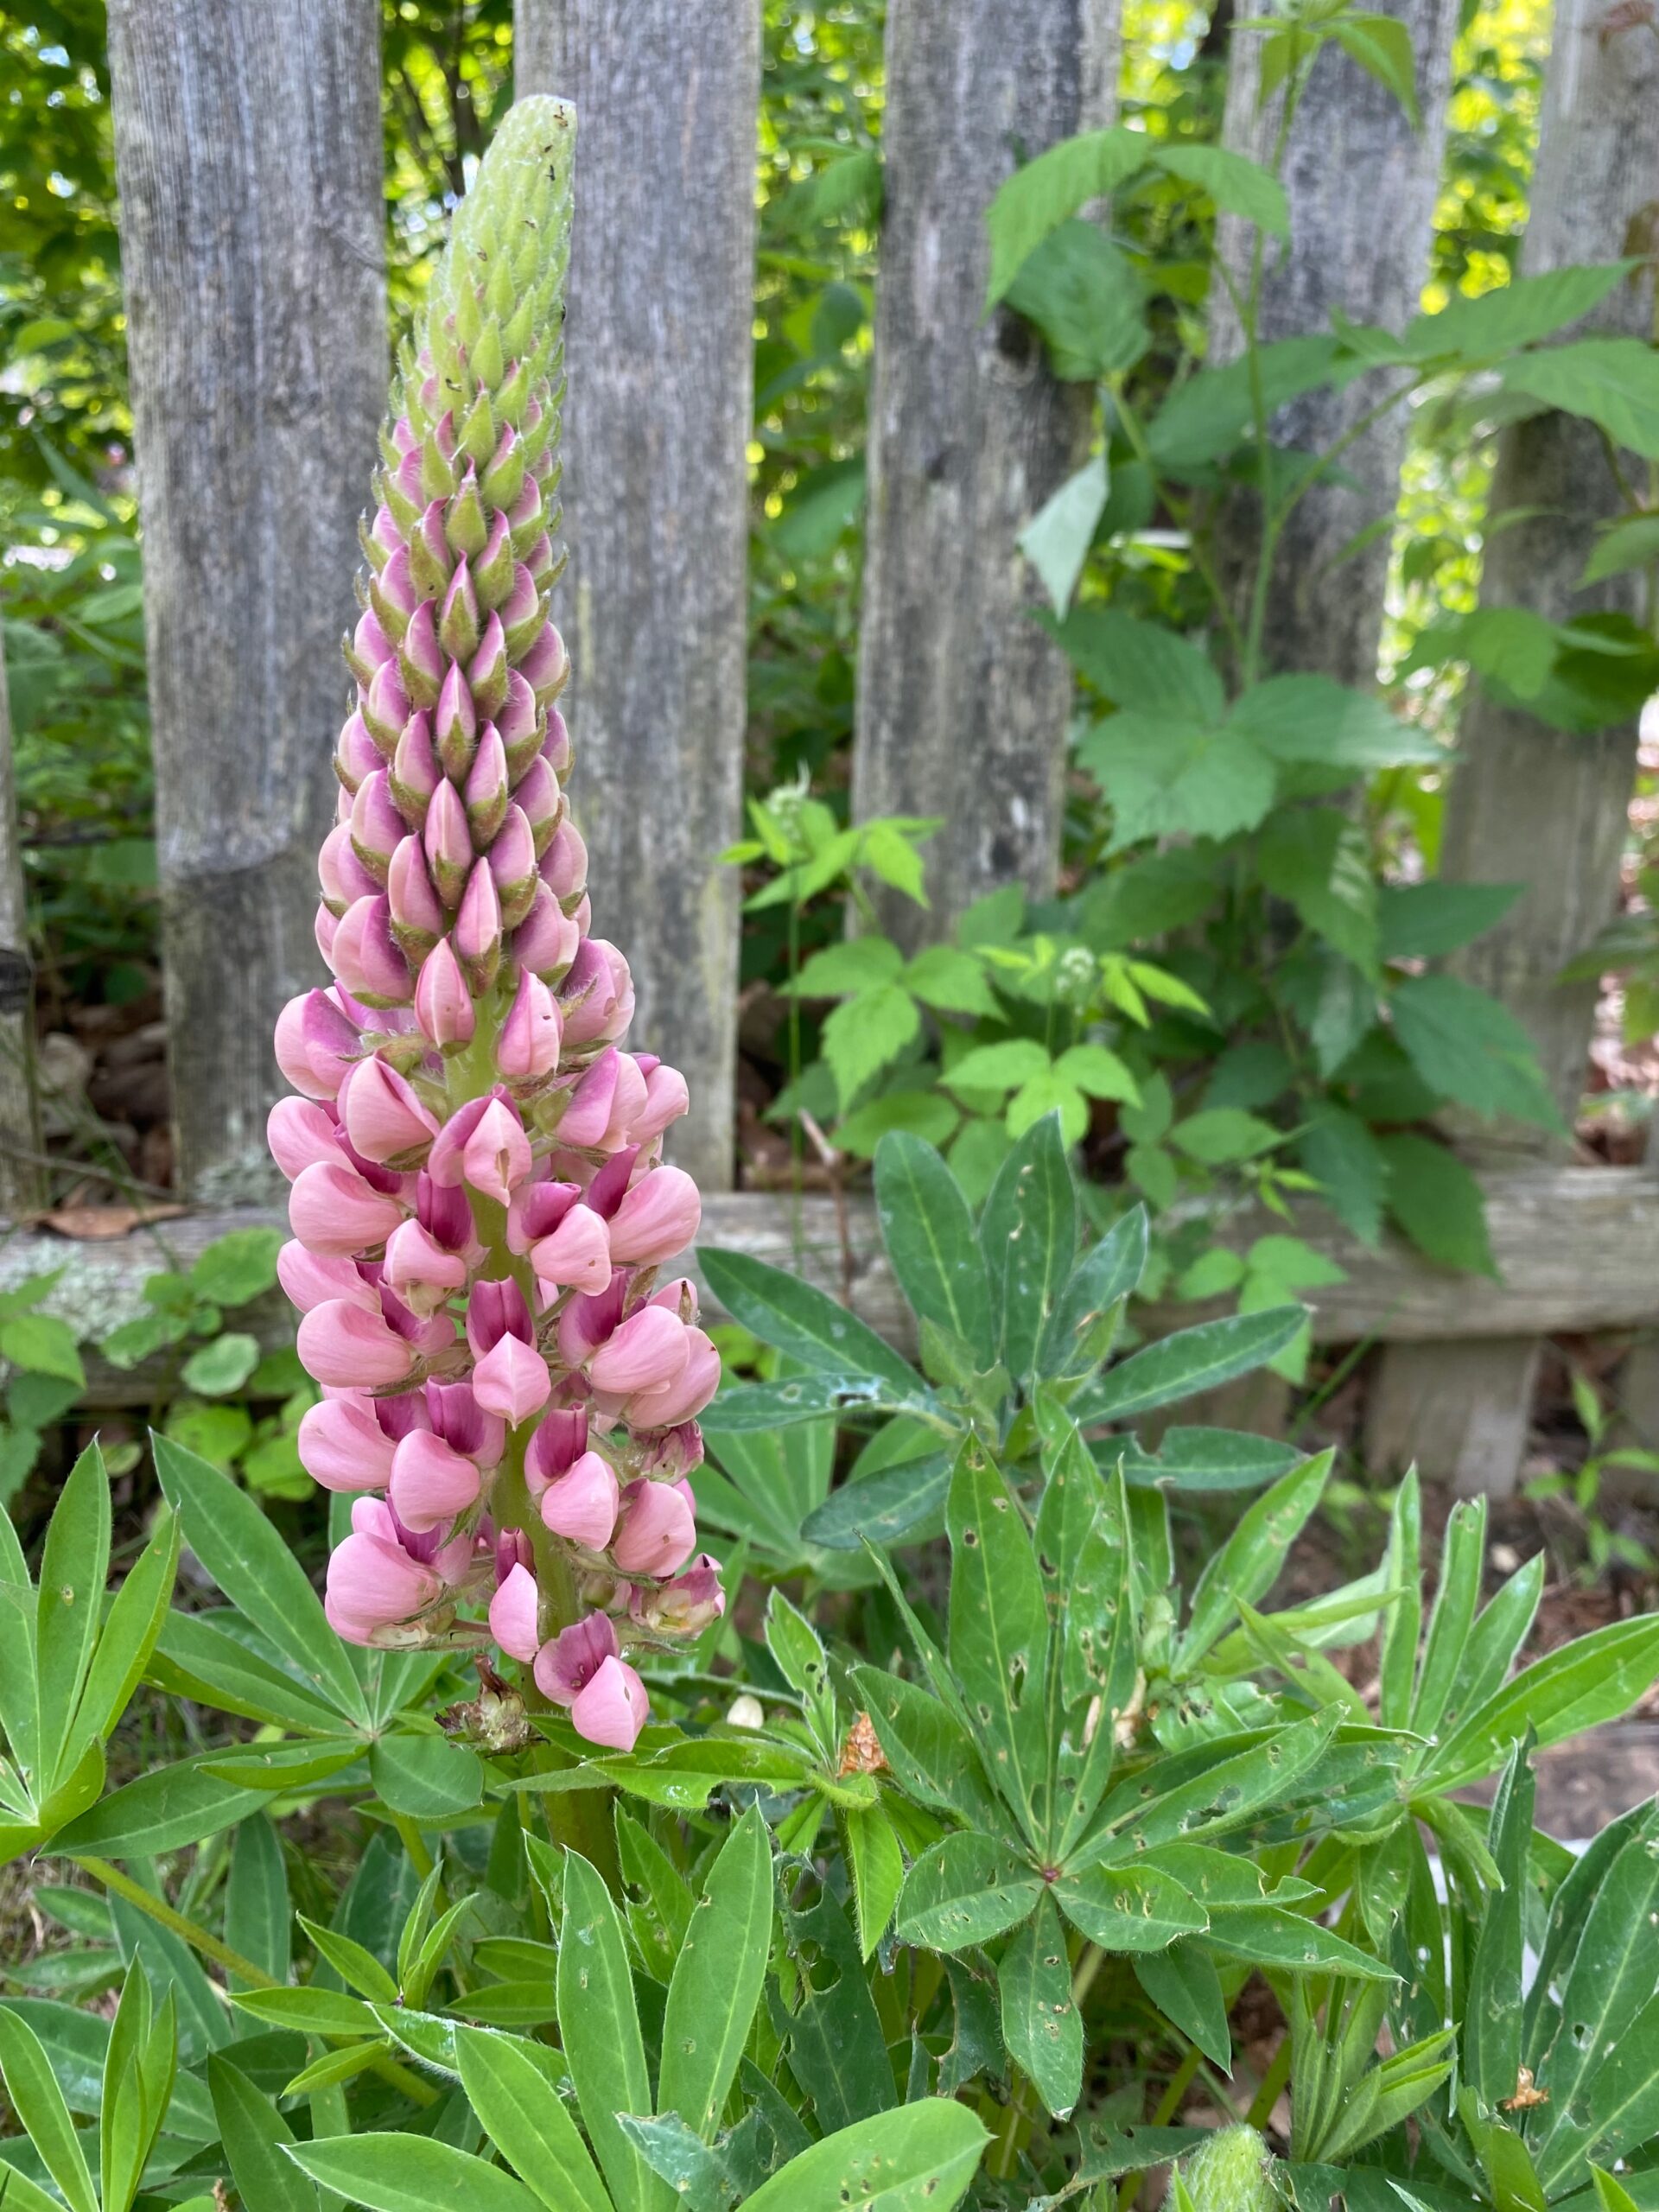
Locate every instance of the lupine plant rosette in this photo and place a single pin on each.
(479, 1204)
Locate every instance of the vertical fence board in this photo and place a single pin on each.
(21, 1183)
(656, 423)
(961, 700)
(249, 159)
(1361, 183)
(1528, 804)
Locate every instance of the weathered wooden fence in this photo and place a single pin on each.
(250, 173)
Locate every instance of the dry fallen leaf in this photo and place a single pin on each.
(98, 1225)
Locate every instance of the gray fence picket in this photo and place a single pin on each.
(657, 424)
(961, 700)
(1529, 804)
(248, 153)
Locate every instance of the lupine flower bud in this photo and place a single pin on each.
(431, 1482)
(415, 771)
(512, 1381)
(477, 936)
(547, 940)
(656, 1219)
(538, 799)
(685, 1606)
(529, 1045)
(332, 1210)
(417, 917)
(656, 1532)
(384, 1119)
(421, 661)
(581, 1504)
(453, 878)
(443, 1007)
(514, 1615)
(343, 1447)
(454, 725)
(486, 792)
(365, 955)
(497, 1153)
(338, 1343)
(310, 1279)
(344, 878)
(356, 754)
(300, 1132)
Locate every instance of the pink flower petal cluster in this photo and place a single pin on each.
(479, 1204)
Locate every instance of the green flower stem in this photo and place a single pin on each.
(199, 1938)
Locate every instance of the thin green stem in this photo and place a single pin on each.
(200, 1939)
(1273, 2081)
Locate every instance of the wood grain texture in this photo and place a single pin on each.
(249, 159)
(659, 352)
(1575, 1245)
(21, 1182)
(961, 700)
(1528, 804)
(1459, 1414)
(1361, 184)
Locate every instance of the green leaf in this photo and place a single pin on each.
(762, 1407)
(1436, 1202)
(1517, 314)
(1084, 296)
(1222, 1134)
(1098, 1073)
(999, 1631)
(1419, 921)
(1614, 381)
(599, 2029)
(1249, 1563)
(1237, 185)
(425, 1777)
(1381, 46)
(1000, 1067)
(717, 1978)
(222, 1366)
(508, 2085)
(237, 1266)
(1141, 665)
(1056, 540)
(858, 963)
(33, 2093)
(1041, 2027)
(1319, 861)
(864, 1034)
(1048, 1094)
(253, 2133)
(942, 976)
(964, 1891)
(927, 1746)
(1028, 1235)
(160, 1811)
(410, 2173)
(1206, 1796)
(195, 1657)
(73, 1569)
(1467, 1046)
(1165, 777)
(1200, 1460)
(1337, 1149)
(43, 1345)
(1106, 1274)
(1270, 1936)
(919, 2157)
(1492, 2009)
(1313, 720)
(1037, 199)
(1207, 414)
(928, 1232)
(1632, 543)
(876, 1870)
(1593, 1679)
(802, 1321)
(1183, 1984)
(1191, 1360)
(925, 1114)
(1128, 1908)
(257, 1908)
(258, 1573)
